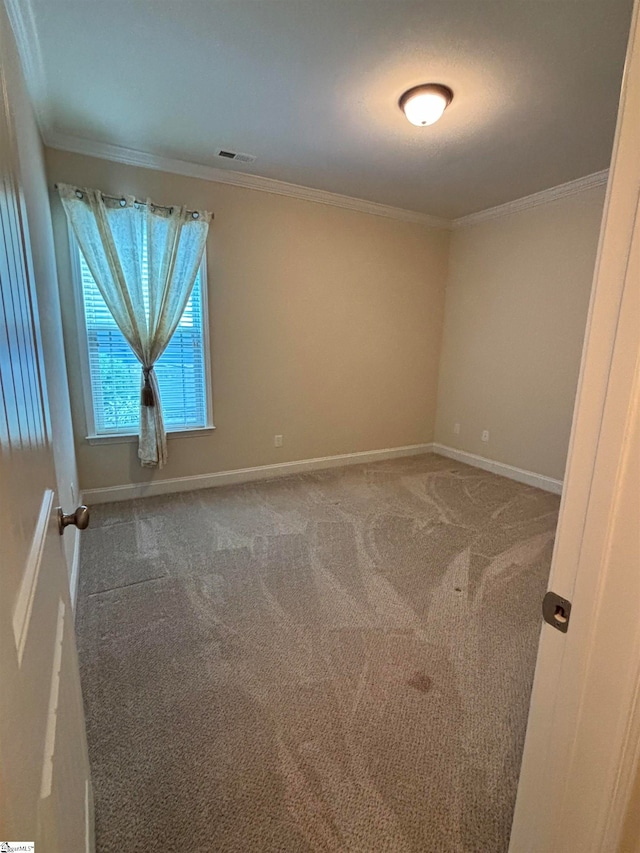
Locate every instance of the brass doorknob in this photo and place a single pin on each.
(80, 518)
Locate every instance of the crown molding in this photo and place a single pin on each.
(25, 32)
(597, 179)
(132, 157)
(22, 19)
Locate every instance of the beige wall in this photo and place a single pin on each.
(325, 326)
(34, 185)
(516, 308)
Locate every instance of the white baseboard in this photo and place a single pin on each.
(245, 475)
(75, 568)
(540, 481)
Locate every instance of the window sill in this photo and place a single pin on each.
(127, 438)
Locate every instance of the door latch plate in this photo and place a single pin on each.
(556, 611)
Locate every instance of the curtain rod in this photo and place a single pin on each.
(143, 203)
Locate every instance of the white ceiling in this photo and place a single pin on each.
(311, 88)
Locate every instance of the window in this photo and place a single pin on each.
(113, 375)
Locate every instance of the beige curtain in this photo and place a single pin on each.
(144, 259)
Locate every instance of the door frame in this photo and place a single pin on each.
(582, 750)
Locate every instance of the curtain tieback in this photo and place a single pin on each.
(147, 397)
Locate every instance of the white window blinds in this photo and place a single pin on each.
(114, 371)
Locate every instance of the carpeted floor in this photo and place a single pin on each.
(337, 661)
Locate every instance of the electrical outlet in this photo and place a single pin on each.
(456, 429)
(485, 435)
(277, 441)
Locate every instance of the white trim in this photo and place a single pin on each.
(129, 491)
(81, 330)
(540, 481)
(92, 436)
(206, 345)
(132, 157)
(597, 179)
(131, 437)
(23, 605)
(25, 32)
(580, 760)
(629, 764)
(245, 475)
(75, 567)
(52, 712)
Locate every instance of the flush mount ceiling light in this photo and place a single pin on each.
(425, 104)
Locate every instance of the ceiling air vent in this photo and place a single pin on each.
(235, 155)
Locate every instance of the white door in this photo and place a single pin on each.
(44, 770)
(583, 739)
